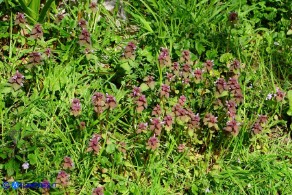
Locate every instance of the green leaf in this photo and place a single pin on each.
(289, 95)
(110, 148)
(144, 87)
(126, 67)
(289, 32)
(32, 159)
(200, 48)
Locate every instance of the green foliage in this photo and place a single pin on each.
(53, 111)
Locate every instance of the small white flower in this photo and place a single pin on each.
(276, 43)
(238, 160)
(269, 96)
(249, 185)
(207, 190)
(25, 165)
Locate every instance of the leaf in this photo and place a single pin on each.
(289, 32)
(200, 48)
(289, 95)
(144, 87)
(110, 148)
(126, 67)
(32, 159)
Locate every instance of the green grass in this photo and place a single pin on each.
(37, 125)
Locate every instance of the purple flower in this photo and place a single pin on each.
(231, 106)
(164, 58)
(141, 127)
(156, 110)
(221, 85)
(68, 163)
(211, 121)
(98, 191)
(93, 6)
(37, 32)
(238, 97)
(136, 92)
(110, 102)
(235, 65)
(168, 122)
(269, 96)
(20, 19)
(63, 178)
(84, 37)
(25, 165)
(82, 125)
(129, 51)
(279, 95)
(48, 52)
(257, 128)
(182, 100)
(76, 107)
(156, 125)
(186, 70)
(98, 101)
(181, 148)
(141, 103)
(82, 23)
(209, 64)
(233, 17)
(165, 89)
(16, 80)
(186, 57)
(262, 119)
(175, 68)
(198, 75)
(94, 144)
(153, 143)
(232, 127)
(194, 122)
(170, 77)
(35, 58)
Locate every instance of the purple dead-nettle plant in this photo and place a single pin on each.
(257, 128)
(156, 125)
(182, 100)
(186, 70)
(84, 38)
(186, 57)
(156, 110)
(129, 51)
(141, 103)
(180, 113)
(68, 163)
(194, 122)
(98, 101)
(165, 89)
(170, 77)
(231, 107)
(142, 127)
(262, 119)
(233, 127)
(149, 80)
(94, 144)
(181, 148)
(279, 95)
(235, 65)
(16, 80)
(153, 143)
(136, 91)
(76, 107)
(82, 125)
(63, 178)
(48, 52)
(82, 23)
(35, 58)
(110, 101)
(233, 85)
(221, 85)
(164, 58)
(198, 75)
(20, 19)
(37, 32)
(233, 17)
(93, 6)
(168, 121)
(186, 81)
(209, 64)
(98, 191)
(122, 147)
(238, 97)
(175, 68)
(211, 121)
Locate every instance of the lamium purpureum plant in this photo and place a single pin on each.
(16, 80)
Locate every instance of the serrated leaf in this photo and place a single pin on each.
(144, 87)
